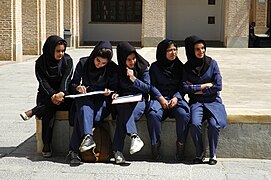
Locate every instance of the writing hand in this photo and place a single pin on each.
(115, 95)
(81, 89)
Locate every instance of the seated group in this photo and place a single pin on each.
(162, 86)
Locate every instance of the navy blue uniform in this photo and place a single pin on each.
(90, 110)
(166, 81)
(129, 113)
(208, 104)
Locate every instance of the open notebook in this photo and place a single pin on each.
(86, 94)
(127, 99)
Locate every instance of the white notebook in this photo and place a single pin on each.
(127, 99)
(86, 94)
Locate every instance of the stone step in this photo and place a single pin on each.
(246, 136)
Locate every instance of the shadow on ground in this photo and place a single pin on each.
(27, 149)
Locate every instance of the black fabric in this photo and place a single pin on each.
(194, 64)
(171, 69)
(91, 74)
(124, 49)
(48, 63)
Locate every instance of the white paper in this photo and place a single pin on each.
(127, 99)
(86, 94)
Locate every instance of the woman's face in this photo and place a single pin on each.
(171, 52)
(100, 62)
(199, 50)
(59, 52)
(131, 60)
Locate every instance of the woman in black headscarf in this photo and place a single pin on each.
(53, 71)
(203, 82)
(133, 79)
(167, 98)
(93, 73)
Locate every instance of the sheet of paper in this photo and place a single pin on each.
(127, 99)
(87, 94)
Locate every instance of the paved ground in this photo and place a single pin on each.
(246, 90)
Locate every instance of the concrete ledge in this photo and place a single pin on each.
(249, 119)
(246, 136)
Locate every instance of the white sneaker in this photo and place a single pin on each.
(119, 158)
(136, 144)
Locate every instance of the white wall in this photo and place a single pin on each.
(187, 17)
(105, 31)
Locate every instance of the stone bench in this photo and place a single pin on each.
(246, 136)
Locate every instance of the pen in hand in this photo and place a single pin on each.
(82, 89)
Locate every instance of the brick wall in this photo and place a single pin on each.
(51, 17)
(261, 17)
(67, 14)
(6, 26)
(30, 25)
(11, 30)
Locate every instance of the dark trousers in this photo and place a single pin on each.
(198, 115)
(47, 112)
(127, 115)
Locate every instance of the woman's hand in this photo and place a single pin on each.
(173, 102)
(206, 85)
(130, 74)
(107, 92)
(163, 102)
(115, 95)
(81, 89)
(58, 98)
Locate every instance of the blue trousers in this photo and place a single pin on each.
(198, 115)
(155, 118)
(127, 115)
(89, 111)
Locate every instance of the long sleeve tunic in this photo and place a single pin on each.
(51, 85)
(161, 85)
(211, 96)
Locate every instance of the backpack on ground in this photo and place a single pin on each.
(103, 150)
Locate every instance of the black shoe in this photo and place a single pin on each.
(212, 161)
(47, 151)
(87, 143)
(75, 160)
(197, 161)
(156, 151)
(179, 151)
(119, 158)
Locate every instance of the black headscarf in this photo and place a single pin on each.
(172, 69)
(91, 74)
(48, 63)
(124, 49)
(194, 64)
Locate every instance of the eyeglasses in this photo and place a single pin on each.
(172, 49)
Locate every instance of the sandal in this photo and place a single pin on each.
(24, 116)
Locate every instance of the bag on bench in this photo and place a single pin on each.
(103, 150)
